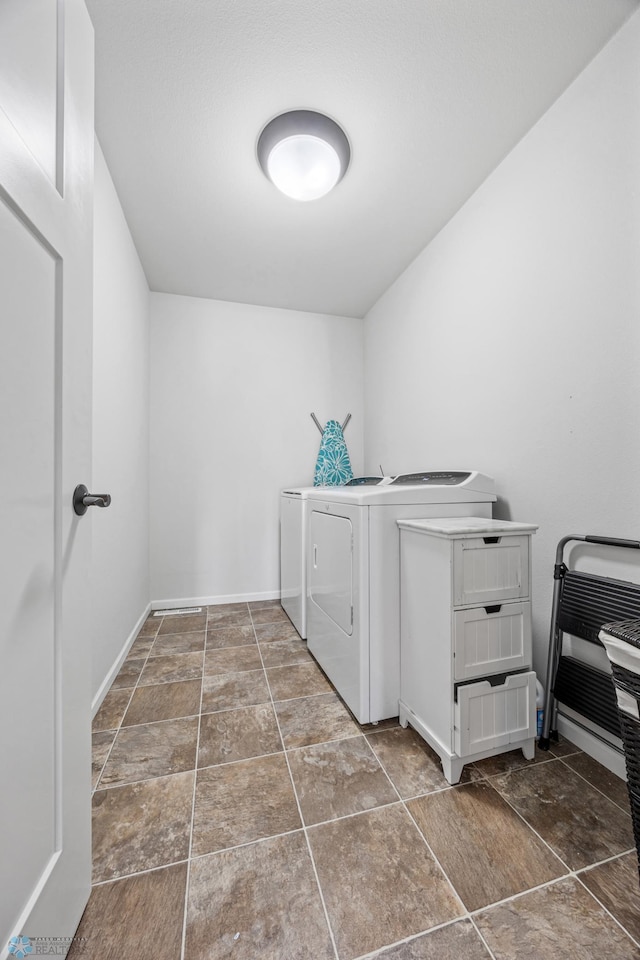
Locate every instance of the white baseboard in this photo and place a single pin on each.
(117, 663)
(167, 604)
(594, 746)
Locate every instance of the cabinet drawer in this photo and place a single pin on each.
(488, 717)
(489, 572)
(488, 640)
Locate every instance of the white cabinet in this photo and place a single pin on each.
(466, 684)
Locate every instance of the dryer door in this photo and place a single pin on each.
(331, 568)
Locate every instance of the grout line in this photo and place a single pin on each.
(119, 726)
(304, 696)
(302, 821)
(437, 862)
(521, 893)
(634, 940)
(231, 646)
(443, 789)
(414, 936)
(179, 633)
(571, 874)
(351, 816)
(230, 763)
(135, 783)
(526, 765)
(231, 673)
(561, 756)
(138, 873)
(597, 789)
(526, 822)
(292, 663)
(132, 783)
(601, 863)
(482, 938)
(320, 743)
(151, 723)
(154, 682)
(384, 770)
(193, 805)
(175, 653)
(246, 843)
(108, 754)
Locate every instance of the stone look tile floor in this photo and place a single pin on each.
(240, 812)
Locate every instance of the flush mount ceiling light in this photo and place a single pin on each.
(303, 153)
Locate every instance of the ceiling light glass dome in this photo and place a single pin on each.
(303, 153)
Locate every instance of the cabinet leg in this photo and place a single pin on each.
(452, 768)
(529, 749)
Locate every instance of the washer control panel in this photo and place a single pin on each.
(440, 478)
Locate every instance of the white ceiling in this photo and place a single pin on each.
(431, 93)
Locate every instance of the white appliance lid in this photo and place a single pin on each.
(452, 486)
(301, 492)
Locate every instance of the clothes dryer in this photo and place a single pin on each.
(353, 576)
(293, 548)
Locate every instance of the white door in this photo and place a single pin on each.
(46, 176)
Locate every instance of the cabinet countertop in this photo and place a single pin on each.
(466, 526)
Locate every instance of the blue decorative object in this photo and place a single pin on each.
(333, 467)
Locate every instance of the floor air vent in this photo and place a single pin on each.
(176, 611)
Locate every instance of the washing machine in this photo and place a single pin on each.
(293, 548)
(353, 576)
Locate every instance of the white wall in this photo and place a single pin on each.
(232, 387)
(120, 570)
(512, 344)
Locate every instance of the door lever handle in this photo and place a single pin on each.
(82, 499)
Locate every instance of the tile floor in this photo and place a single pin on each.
(240, 812)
